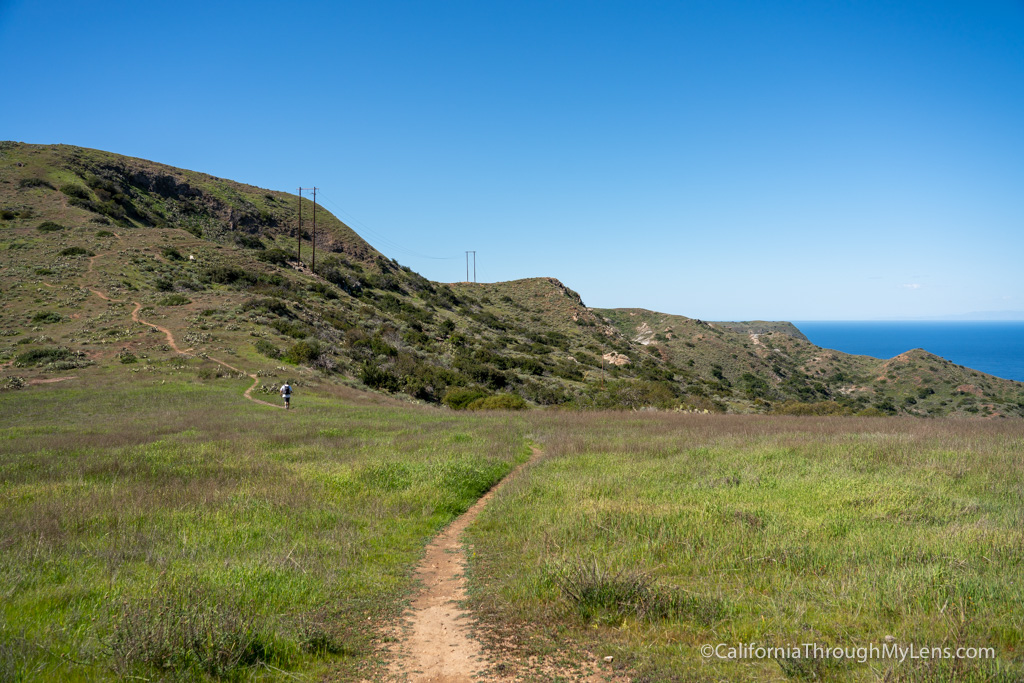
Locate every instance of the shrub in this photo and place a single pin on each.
(291, 329)
(303, 352)
(498, 402)
(75, 191)
(41, 356)
(754, 386)
(174, 300)
(268, 305)
(267, 349)
(226, 275)
(277, 257)
(530, 366)
(376, 377)
(47, 317)
(104, 233)
(376, 346)
(887, 406)
(35, 182)
(870, 412)
(126, 357)
(249, 241)
(162, 284)
(459, 398)
(76, 251)
(172, 254)
(49, 226)
(43, 271)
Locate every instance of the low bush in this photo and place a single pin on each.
(267, 349)
(172, 254)
(303, 352)
(76, 251)
(174, 300)
(277, 257)
(268, 305)
(226, 275)
(35, 182)
(47, 317)
(41, 356)
(291, 329)
(49, 226)
(459, 398)
(498, 402)
(375, 377)
(76, 191)
(249, 241)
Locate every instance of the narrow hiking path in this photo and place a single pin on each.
(437, 646)
(435, 643)
(174, 345)
(172, 342)
(167, 332)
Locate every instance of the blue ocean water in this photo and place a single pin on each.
(996, 348)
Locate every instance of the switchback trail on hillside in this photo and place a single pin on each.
(435, 643)
(171, 342)
(174, 345)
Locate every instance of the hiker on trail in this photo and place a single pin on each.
(286, 394)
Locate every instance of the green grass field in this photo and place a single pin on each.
(179, 531)
(169, 529)
(648, 536)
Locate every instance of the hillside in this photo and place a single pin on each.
(113, 265)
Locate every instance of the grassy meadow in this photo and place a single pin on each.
(174, 530)
(647, 536)
(165, 528)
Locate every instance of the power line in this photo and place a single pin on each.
(382, 239)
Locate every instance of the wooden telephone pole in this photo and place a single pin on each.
(314, 230)
(299, 240)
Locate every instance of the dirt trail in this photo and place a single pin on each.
(174, 345)
(167, 332)
(437, 646)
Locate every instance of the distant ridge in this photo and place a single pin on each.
(92, 242)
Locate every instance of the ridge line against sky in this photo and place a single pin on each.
(721, 160)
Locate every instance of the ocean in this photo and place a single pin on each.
(996, 348)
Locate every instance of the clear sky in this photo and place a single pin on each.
(771, 159)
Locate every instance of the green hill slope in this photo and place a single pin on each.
(110, 264)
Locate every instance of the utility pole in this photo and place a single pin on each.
(467, 265)
(299, 241)
(314, 230)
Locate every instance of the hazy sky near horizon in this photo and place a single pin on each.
(800, 160)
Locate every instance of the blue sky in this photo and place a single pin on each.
(722, 160)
